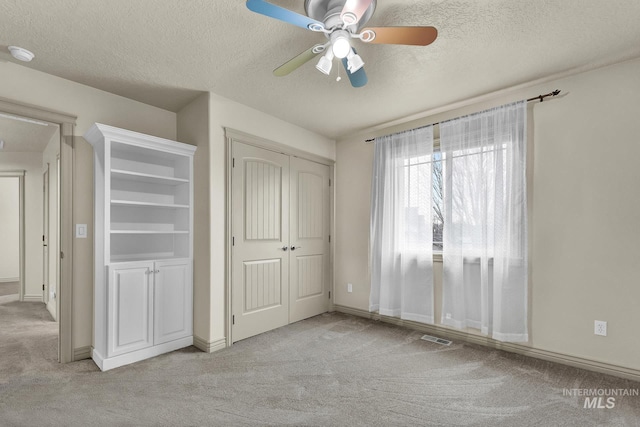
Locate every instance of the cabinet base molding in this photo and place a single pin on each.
(32, 298)
(135, 356)
(209, 346)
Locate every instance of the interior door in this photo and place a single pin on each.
(45, 235)
(309, 239)
(260, 239)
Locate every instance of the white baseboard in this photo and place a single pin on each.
(452, 334)
(32, 298)
(9, 279)
(209, 346)
(81, 353)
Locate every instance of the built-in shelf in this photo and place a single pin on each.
(148, 232)
(143, 222)
(147, 178)
(157, 205)
(144, 257)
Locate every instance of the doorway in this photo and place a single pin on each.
(53, 291)
(280, 239)
(11, 231)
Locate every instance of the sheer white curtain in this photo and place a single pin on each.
(401, 226)
(485, 228)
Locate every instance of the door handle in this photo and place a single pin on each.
(293, 248)
(284, 248)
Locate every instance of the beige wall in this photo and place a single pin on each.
(226, 113)
(193, 128)
(24, 85)
(194, 122)
(31, 163)
(584, 208)
(9, 228)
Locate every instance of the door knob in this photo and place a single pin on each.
(284, 248)
(293, 248)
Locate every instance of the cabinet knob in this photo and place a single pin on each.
(284, 248)
(293, 248)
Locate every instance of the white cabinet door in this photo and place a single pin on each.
(173, 300)
(130, 309)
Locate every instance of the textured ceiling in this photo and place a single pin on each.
(166, 52)
(24, 136)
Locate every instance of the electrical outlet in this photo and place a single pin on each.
(349, 287)
(447, 316)
(600, 328)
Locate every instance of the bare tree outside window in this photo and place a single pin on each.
(419, 201)
(437, 182)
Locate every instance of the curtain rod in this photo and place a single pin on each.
(535, 98)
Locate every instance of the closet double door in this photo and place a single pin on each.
(280, 240)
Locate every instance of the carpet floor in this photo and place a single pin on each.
(9, 288)
(330, 370)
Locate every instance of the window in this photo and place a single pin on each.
(419, 199)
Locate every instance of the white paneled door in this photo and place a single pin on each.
(260, 273)
(280, 233)
(309, 239)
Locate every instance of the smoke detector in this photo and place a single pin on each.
(21, 54)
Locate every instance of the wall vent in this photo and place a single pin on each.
(436, 340)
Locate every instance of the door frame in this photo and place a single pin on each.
(66, 125)
(46, 261)
(21, 245)
(231, 136)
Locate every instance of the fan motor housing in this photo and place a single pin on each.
(324, 10)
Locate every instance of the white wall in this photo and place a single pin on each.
(9, 228)
(32, 164)
(24, 85)
(584, 208)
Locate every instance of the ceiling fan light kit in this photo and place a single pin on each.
(340, 21)
(326, 62)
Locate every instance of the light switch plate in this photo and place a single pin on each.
(81, 231)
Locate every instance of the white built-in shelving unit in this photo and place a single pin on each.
(143, 290)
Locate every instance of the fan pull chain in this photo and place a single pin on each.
(338, 67)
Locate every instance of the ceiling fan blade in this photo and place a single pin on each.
(298, 61)
(353, 10)
(357, 79)
(417, 36)
(286, 15)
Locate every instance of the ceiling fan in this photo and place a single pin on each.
(341, 21)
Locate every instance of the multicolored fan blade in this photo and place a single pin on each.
(353, 10)
(286, 15)
(357, 79)
(298, 61)
(417, 36)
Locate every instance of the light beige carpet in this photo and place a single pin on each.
(9, 288)
(333, 369)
